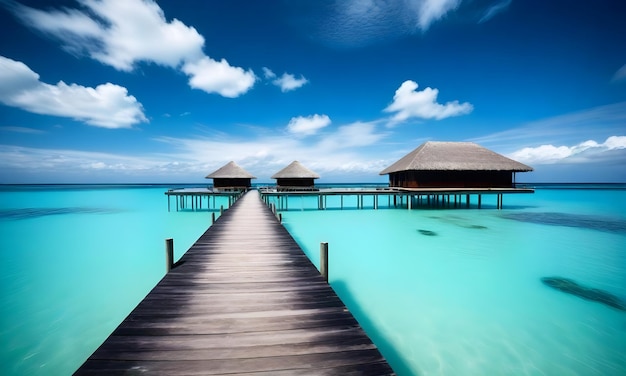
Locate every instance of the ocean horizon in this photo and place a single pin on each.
(441, 291)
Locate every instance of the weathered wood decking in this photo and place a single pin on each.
(244, 300)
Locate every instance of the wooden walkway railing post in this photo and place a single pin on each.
(324, 260)
(169, 254)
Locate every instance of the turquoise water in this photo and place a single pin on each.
(441, 291)
(458, 291)
(75, 261)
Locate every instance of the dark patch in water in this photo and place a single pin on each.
(571, 287)
(427, 232)
(29, 213)
(458, 221)
(592, 222)
(476, 227)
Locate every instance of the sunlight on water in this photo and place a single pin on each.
(459, 291)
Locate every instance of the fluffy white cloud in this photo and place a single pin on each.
(123, 33)
(581, 153)
(309, 125)
(286, 82)
(106, 105)
(119, 33)
(218, 77)
(408, 102)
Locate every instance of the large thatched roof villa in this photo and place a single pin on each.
(453, 165)
(231, 176)
(295, 176)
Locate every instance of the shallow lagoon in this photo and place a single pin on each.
(459, 292)
(441, 291)
(76, 260)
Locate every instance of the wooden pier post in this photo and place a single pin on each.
(480, 200)
(221, 210)
(280, 217)
(324, 260)
(169, 254)
(213, 218)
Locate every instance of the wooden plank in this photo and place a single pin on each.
(243, 300)
(309, 364)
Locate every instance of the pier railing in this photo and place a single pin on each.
(395, 198)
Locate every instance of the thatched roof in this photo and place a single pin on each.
(454, 156)
(230, 170)
(295, 170)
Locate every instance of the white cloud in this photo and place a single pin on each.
(598, 122)
(615, 142)
(219, 77)
(495, 9)
(65, 161)
(106, 105)
(124, 33)
(288, 82)
(340, 154)
(309, 125)
(268, 73)
(620, 75)
(357, 134)
(408, 103)
(429, 11)
(342, 151)
(355, 23)
(119, 33)
(584, 152)
(21, 130)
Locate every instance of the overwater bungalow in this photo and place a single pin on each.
(453, 165)
(231, 176)
(295, 177)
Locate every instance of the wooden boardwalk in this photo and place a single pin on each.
(244, 300)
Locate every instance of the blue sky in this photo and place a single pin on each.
(168, 91)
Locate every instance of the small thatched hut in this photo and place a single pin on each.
(295, 176)
(231, 176)
(453, 165)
